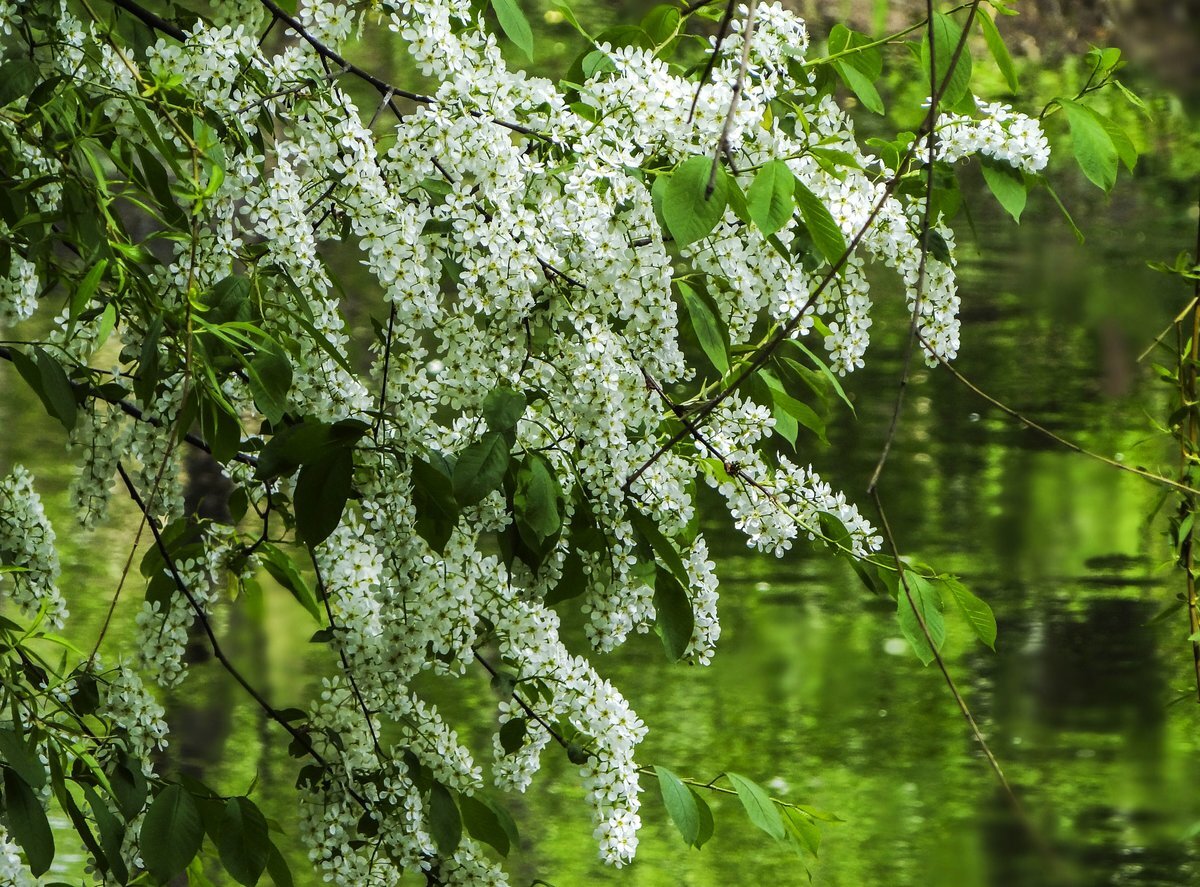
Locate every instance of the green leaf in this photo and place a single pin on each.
(481, 468)
(171, 833)
(149, 363)
(690, 211)
(82, 296)
(792, 412)
(926, 598)
(514, 24)
(680, 804)
(860, 84)
(270, 380)
(674, 620)
(503, 408)
(802, 831)
(938, 248)
(823, 368)
(1126, 150)
(759, 806)
(946, 36)
(322, 490)
(489, 822)
(998, 50)
(573, 582)
(770, 198)
(1007, 184)
(18, 77)
(242, 841)
(277, 868)
(49, 382)
(707, 826)
(129, 787)
(1045, 183)
(974, 609)
(710, 330)
(1093, 146)
(445, 824)
(112, 834)
(283, 571)
(819, 221)
(21, 757)
(536, 499)
(27, 822)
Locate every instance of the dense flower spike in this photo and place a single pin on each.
(27, 545)
(497, 450)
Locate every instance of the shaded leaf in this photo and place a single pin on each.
(27, 822)
(322, 490)
(480, 468)
(674, 620)
(242, 841)
(707, 826)
(445, 824)
(503, 408)
(16, 753)
(171, 833)
(489, 822)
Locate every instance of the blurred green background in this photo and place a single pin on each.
(813, 690)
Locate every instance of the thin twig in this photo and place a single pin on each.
(738, 85)
(923, 260)
(722, 32)
(333, 627)
(1061, 441)
(298, 735)
(1187, 457)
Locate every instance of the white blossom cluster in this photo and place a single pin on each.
(126, 701)
(1000, 133)
(513, 233)
(18, 291)
(27, 542)
(13, 872)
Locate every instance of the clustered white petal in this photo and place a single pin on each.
(27, 544)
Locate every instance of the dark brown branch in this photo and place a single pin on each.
(149, 18)
(298, 735)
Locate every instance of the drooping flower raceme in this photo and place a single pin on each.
(27, 546)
